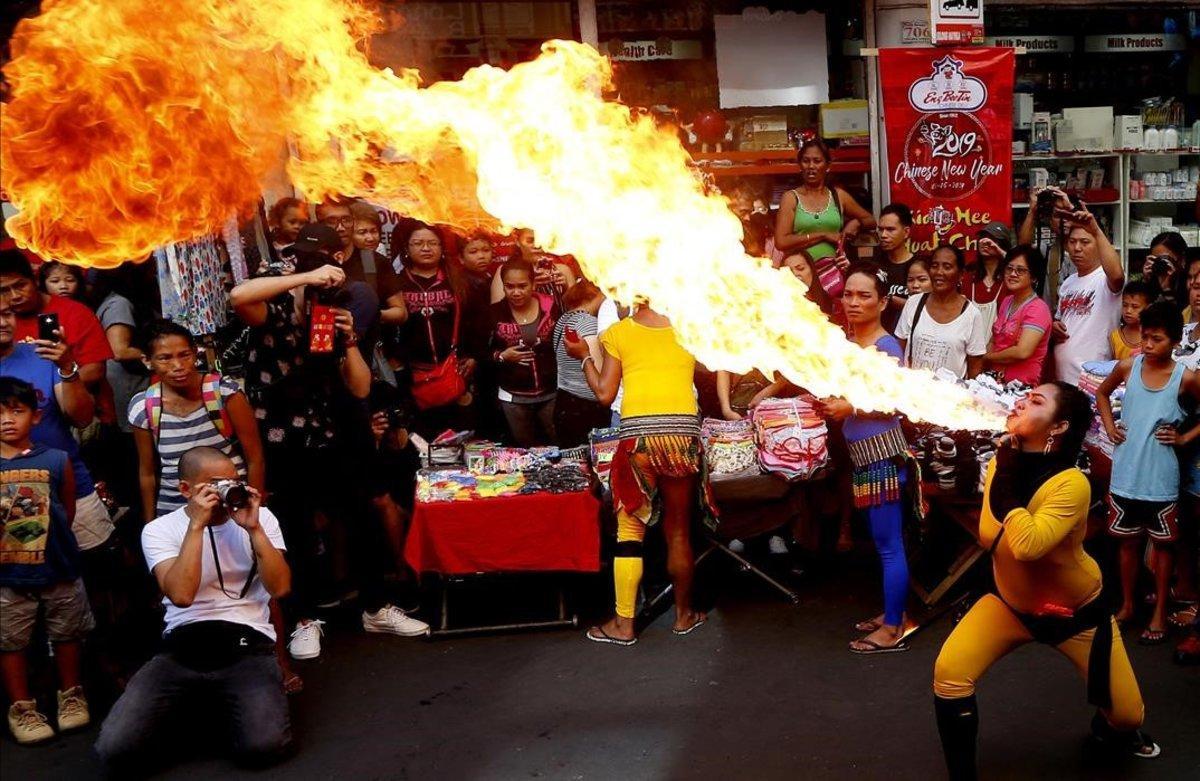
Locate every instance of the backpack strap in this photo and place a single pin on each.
(210, 394)
(153, 407)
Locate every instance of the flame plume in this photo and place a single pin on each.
(135, 123)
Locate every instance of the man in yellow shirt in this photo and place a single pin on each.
(658, 472)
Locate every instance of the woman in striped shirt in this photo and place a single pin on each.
(184, 409)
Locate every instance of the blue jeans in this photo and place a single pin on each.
(887, 527)
(249, 693)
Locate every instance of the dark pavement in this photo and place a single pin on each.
(765, 690)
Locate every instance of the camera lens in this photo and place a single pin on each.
(233, 494)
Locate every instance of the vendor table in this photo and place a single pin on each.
(539, 532)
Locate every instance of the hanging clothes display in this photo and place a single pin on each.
(191, 285)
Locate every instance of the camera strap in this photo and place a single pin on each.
(212, 540)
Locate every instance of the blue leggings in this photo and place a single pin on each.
(887, 520)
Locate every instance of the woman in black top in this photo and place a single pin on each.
(437, 325)
(522, 347)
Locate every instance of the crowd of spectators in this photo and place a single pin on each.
(123, 431)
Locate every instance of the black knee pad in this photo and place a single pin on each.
(629, 549)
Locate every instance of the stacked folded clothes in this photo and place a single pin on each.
(729, 446)
(792, 438)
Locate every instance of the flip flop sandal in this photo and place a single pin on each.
(690, 629)
(876, 648)
(1183, 618)
(870, 625)
(605, 637)
(1153, 637)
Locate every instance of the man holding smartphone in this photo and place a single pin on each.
(36, 310)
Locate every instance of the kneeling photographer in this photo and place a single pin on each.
(218, 560)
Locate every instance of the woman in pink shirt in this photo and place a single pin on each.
(1021, 333)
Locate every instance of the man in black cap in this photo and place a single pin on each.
(301, 394)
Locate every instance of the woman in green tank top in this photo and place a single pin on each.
(814, 217)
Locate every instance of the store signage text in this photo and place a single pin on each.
(1035, 44)
(663, 49)
(1151, 42)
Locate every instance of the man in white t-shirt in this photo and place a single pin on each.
(1089, 301)
(218, 562)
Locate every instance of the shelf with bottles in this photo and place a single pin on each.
(1035, 157)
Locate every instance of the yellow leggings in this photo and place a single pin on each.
(627, 564)
(990, 630)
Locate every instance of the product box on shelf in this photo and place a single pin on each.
(763, 132)
(1127, 131)
(1022, 110)
(1040, 140)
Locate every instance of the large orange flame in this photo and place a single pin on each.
(135, 123)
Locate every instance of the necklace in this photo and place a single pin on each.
(523, 319)
(810, 212)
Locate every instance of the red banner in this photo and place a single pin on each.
(949, 138)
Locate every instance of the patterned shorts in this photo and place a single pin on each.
(1137, 517)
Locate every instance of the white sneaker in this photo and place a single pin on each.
(737, 546)
(777, 546)
(306, 640)
(392, 620)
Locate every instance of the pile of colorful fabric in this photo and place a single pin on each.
(1094, 373)
(456, 485)
(729, 446)
(792, 438)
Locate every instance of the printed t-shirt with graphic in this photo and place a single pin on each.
(1089, 309)
(37, 546)
(81, 327)
(162, 539)
(53, 430)
(426, 336)
(937, 345)
(178, 435)
(656, 371)
(1012, 321)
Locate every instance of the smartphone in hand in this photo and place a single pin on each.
(48, 327)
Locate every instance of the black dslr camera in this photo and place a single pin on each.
(234, 493)
(1047, 201)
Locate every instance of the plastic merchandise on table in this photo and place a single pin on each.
(792, 438)
(729, 446)
(564, 478)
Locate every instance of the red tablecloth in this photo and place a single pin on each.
(526, 533)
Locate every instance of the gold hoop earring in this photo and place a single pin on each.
(1049, 444)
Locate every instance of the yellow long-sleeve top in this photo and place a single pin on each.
(1041, 559)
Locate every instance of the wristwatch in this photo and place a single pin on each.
(70, 376)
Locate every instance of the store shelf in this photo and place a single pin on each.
(1017, 206)
(1168, 153)
(1163, 200)
(779, 162)
(1068, 156)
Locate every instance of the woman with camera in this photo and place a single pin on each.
(1047, 588)
(1165, 269)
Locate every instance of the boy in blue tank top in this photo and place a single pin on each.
(1144, 491)
(39, 567)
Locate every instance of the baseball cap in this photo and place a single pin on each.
(999, 233)
(317, 237)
